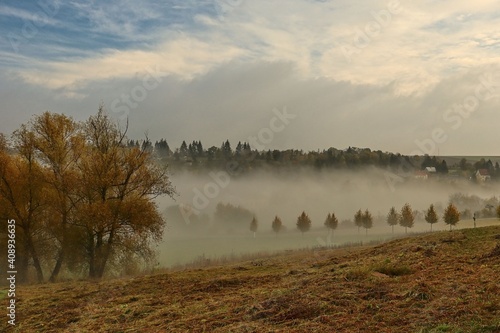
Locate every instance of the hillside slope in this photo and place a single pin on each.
(439, 282)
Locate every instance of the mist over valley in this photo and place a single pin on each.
(195, 231)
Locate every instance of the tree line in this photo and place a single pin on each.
(364, 219)
(82, 198)
(195, 156)
(231, 218)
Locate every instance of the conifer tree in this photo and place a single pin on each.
(358, 219)
(431, 216)
(254, 225)
(277, 225)
(367, 220)
(407, 217)
(331, 222)
(303, 223)
(393, 218)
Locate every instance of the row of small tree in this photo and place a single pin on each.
(303, 223)
(404, 218)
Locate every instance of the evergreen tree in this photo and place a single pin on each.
(358, 219)
(442, 167)
(226, 149)
(162, 149)
(392, 218)
(183, 150)
(147, 145)
(277, 225)
(431, 216)
(367, 220)
(407, 217)
(331, 222)
(239, 149)
(199, 148)
(303, 223)
(254, 226)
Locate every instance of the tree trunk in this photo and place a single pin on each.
(62, 251)
(23, 259)
(104, 255)
(91, 255)
(34, 256)
(97, 256)
(57, 267)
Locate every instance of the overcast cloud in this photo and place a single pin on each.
(392, 75)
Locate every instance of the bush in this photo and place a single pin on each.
(392, 269)
(357, 274)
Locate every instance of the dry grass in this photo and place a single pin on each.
(439, 282)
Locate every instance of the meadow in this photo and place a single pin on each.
(434, 282)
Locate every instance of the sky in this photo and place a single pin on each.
(400, 76)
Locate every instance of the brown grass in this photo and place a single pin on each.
(439, 282)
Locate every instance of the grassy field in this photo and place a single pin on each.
(439, 282)
(179, 251)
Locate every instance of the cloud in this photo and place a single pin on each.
(355, 73)
(38, 17)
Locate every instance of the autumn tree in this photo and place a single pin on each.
(117, 214)
(22, 198)
(277, 225)
(367, 220)
(58, 143)
(451, 215)
(393, 218)
(431, 215)
(303, 223)
(81, 194)
(254, 225)
(331, 222)
(39, 184)
(407, 217)
(358, 219)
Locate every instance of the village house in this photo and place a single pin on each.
(483, 175)
(421, 175)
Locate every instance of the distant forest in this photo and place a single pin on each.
(194, 156)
